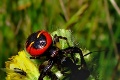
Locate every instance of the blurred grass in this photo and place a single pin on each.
(95, 25)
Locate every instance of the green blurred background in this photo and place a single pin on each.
(95, 26)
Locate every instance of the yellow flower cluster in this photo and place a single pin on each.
(20, 67)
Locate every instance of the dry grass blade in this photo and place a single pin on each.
(115, 6)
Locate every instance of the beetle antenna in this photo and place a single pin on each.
(94, 51)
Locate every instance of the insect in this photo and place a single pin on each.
(41, 44)
(15, 70)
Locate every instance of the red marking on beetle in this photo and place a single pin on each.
(37, 52)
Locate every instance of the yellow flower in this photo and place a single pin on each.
(20, 67)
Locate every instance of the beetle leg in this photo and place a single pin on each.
(56, 39)
(46, 69)
(49, 73)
